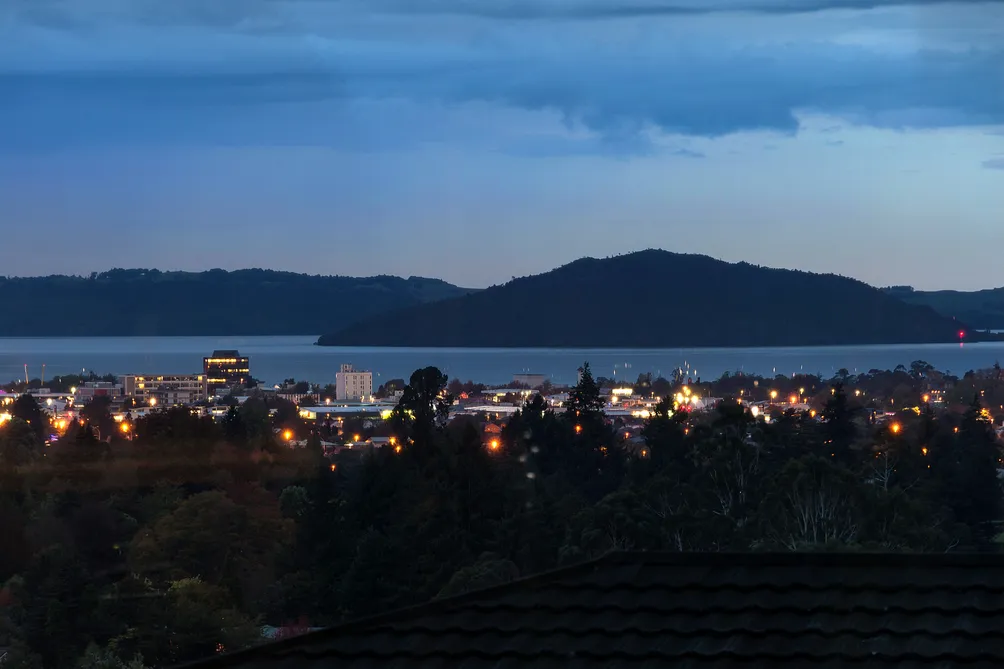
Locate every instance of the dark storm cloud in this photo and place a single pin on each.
(216, 84)
(615, 95)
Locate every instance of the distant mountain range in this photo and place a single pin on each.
(644, 299)
(659, 299)
(983, 309)
(246, 302)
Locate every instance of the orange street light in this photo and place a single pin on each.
(287, 435)
(494, 444)
(124, 427)
(895, 428)
(578, 429)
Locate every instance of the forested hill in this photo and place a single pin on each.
(659, 299)
(244, 302)
(982, 309)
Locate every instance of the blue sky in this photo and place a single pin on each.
(475, 140)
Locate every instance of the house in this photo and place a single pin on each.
(752, 610)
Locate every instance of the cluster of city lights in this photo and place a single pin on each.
(686, 397)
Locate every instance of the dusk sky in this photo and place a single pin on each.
(474, 140)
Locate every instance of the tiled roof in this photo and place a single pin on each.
(688, 610)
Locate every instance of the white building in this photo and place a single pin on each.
(353, 384)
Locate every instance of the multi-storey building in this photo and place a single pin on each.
(226, 369)
(353, 384)
(165, 389)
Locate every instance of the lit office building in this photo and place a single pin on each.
(225, 369)
(165, 390)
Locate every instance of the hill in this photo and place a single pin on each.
(983, 309)
(659, 299)
(244, 302)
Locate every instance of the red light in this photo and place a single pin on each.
(962, 334)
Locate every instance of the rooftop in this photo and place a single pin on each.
(688, 610)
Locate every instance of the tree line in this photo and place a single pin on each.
(180, 537)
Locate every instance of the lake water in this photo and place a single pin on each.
(276, 358)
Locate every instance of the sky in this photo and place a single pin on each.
(476, 140)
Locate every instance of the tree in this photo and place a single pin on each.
(196, 620)
(27, 409)
(812, 502)
(98, 415)
(19, 444)
(489, 570)
(966, 465)
(96, 657)
(212, 536)
(584, 401)
(840, 429)
(423, 408)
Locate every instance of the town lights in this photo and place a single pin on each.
(773, 395)
(287, 435)
(493, 444)
(124, 427)
(153, 401)
(895, 428)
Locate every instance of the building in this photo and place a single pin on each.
(92, 389)
(353, 384)
(651, 609)
(225, 369)
(165, 390)
(529, 380)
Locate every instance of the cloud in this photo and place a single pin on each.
(230, 13)
(994, 164)
(687, 153)
(612, 9)
(266, 72)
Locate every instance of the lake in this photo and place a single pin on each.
(276, 358)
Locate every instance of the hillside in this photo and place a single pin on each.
(983, 309)
(659, 299)
(245, 302)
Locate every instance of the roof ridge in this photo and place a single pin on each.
(995, 588)
(718, 655)
(752, 608)
(750, 630)
(814, 558)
